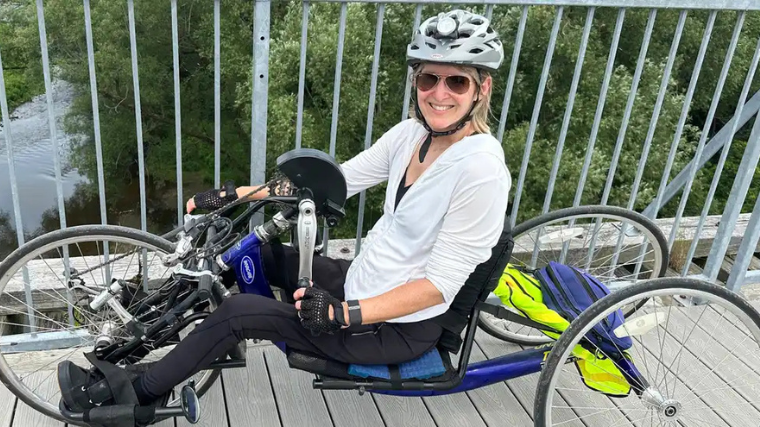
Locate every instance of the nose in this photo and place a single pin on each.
(440, 91)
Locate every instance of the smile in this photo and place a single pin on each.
(441, 107)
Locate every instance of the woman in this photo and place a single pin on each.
(443, 212)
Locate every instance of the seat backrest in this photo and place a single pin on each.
(481, 282)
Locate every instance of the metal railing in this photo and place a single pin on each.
(707, 148)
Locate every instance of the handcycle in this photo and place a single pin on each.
(128, 297)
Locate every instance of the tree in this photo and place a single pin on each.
(113, 61)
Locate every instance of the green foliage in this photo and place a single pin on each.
(116, 98)
(22, 80)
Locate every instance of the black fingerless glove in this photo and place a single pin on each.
(315, 311)
(212, 199)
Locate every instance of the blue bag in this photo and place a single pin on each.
(568, 291)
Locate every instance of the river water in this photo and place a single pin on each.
(33, 158)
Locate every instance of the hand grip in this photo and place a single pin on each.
(205, 283)
(204, 287)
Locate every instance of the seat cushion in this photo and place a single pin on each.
(432, 366)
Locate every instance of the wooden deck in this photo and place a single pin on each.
(268, 393)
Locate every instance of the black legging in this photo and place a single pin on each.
(246, 316)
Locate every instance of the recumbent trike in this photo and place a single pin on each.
(128, 297)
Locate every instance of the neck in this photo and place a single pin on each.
(454, 137)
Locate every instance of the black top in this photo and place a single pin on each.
(402, 189)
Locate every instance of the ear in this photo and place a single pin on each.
(485, 87)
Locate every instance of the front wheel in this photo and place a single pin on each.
(616, 245)
(694, 349)
(46, 290)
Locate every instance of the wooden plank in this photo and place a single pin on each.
(348, 409)
(592, 407)
(453, 410)
(169, 422)
(523, 388)
(725, 268)
(496, 403)
(732, 370)
(25, 416)
(687, 228)
(736, 338)
(7, 404)
(456, 409)
(701, 386)
(213, 409)
(298, 403)
(249, 397)
(403, 411)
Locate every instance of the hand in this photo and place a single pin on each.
(213, 199)
(317, 309)
(190, 206)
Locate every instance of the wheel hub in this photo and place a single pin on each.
(670, 410)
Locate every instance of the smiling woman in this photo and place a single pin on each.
(406, 289)
(461, 49)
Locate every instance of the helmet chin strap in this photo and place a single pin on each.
(431, 133)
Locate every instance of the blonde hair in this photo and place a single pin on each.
(482, 108)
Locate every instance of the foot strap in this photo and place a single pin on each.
(118, 381)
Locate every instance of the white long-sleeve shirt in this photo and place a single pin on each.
(446, 224)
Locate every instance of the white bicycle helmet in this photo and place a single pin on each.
(456, 37)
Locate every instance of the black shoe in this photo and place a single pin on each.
(82, 389)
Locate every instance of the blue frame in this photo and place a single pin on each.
(245, 258)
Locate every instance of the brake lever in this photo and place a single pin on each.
(189, 232)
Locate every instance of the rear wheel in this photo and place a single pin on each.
(46, 290)
(695, 352)
(618, 246)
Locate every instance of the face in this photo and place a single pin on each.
(442, 105)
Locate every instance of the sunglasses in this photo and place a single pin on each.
(457, 84)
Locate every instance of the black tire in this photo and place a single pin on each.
(541, 220)
(79, 231)
(555, 361)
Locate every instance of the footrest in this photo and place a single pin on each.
(428, 365)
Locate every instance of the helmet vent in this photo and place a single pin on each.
(430, 45)
(454, 46)
(476, 50)
(414, 47)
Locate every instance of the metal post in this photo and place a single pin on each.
(96, 128)
(217, 96)
(731, 127)
(746, 250)
(536, 112)
(14, 195)
(512, 74)
(177, 108)
(408, 86)
(336, 97)
(684, 111)
(370, 115)
(259, 96)
(734, 204)
(54, 141)
(302, 72)
(708, 122)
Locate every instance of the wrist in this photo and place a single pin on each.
(243, 192)
(344, 305)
